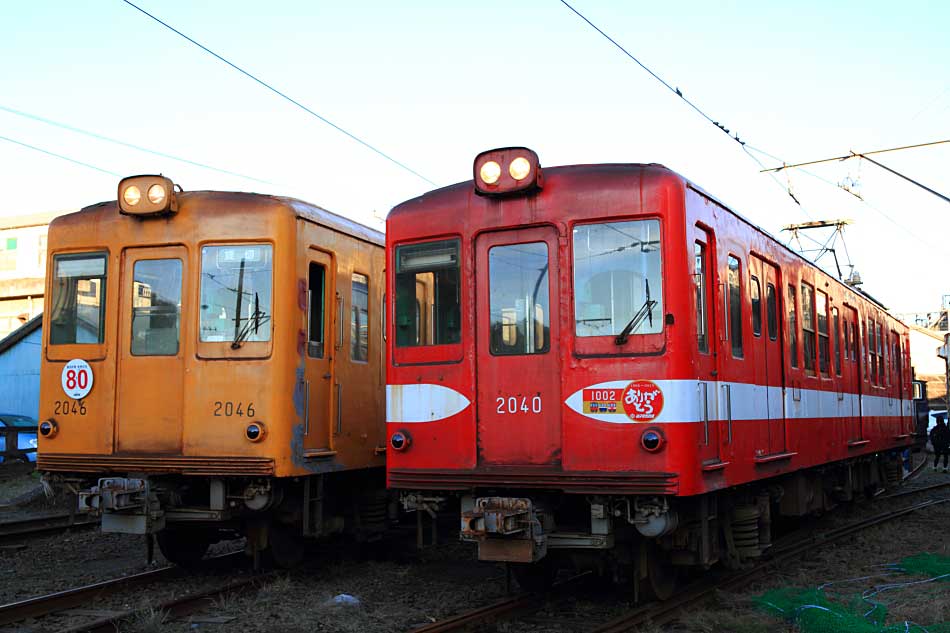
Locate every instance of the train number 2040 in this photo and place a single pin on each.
(228, 409)
(513, 404)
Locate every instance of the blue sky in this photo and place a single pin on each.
(434, 83)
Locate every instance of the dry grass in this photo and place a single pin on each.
(148, 620)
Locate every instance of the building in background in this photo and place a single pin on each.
(22, 268)
(20, 354)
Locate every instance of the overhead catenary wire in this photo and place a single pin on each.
(849, 155)
(60, 156)
(139, 148)
(283, 95)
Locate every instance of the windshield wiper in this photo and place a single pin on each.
(645, 311)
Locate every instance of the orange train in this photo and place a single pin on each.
(213, 365)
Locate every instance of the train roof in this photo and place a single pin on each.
(301, 209)
(592, 176)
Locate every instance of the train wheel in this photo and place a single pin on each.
(660, 581)
(537, 576)
(286, 546)
(184, 548)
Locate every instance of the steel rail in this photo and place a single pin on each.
(51, 603)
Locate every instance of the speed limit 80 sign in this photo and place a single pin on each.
(77, 379)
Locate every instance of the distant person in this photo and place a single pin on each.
(940, 438)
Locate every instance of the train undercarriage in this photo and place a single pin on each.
(650, 540)
(188, 514)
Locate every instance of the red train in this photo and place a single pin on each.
(609, 367)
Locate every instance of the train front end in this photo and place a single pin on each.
(532, 373)
(166, 392)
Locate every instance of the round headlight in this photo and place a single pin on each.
(400, 441)
(652, 440)
(132, 195)
(519, 168)
(490, 172)
(255, 432)
(156, 194)
(48, 428)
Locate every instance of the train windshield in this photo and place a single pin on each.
(79, 283)
(617, 271)
(427, 294)
(236, 293)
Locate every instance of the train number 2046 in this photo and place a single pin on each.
(514, 404)
(228, 409)
(69, 407)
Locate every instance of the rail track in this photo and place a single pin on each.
(660, 613)
(43, 525)
(81, 600)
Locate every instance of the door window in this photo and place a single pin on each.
(735, 306)
(824, 353)
(316, 290)
(808, 326)
(617, 278)
(236, 293)
(518, 299)
(428, 308)
(78, 299)
(792, 328)
(700, 284)
(755, 292)
(771, 311)
(156, 307)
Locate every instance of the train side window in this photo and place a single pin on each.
(808, 326)
(316, 334)
(854, 342)
(618, 277)
(359, 318)
(821, 310)
(156, 307)
(771, 311)
(236, 293)
(837, 335)
(427, 305)
(78, 299)
(792, 327)
(880, 356)
(864, 339)
(735, 305)
(755, 292)
(519, 305)
(872, 347)
(700, 284)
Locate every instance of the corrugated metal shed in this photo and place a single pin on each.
(20, 354)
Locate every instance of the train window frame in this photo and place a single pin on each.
(316, 309)
(140, 337)
(639, 343)
(734, 302)
(508, 343)
(65, 350)
(809, 338)
(220, 349)
(792, 318)
(359, 340)
(701, 294)
(823, 333)
(433, 354)
(755, 300)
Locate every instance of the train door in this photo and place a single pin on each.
(851, 372)
(519, 418)
(707, 345)
(767, 350)
(322, 342)
(149, 383)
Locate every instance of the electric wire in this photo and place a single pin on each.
(283, 95)
(60, 156)
(852, 155)
(139, 148)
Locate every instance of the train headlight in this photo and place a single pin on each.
(519, 168)
(48, 428)
(400, 440)
(523, 173)
(255, 431)
(131, 195)
(159, 198)
(490, 172)
(652, 440)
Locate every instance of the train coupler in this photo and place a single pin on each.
(124, 505)
(505, 529)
